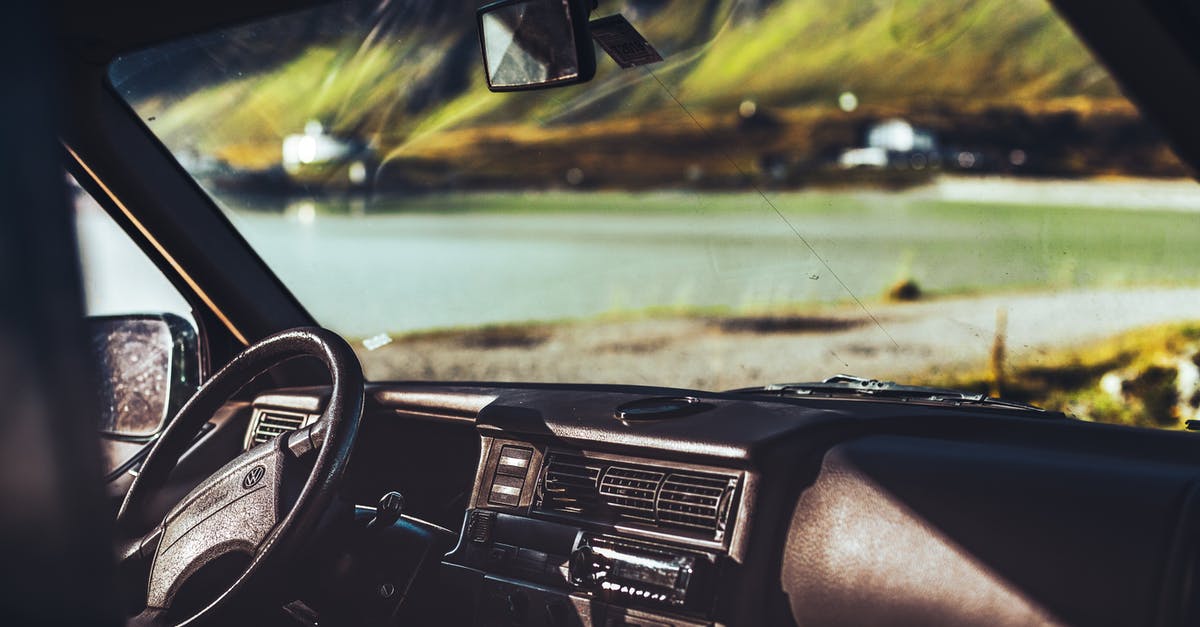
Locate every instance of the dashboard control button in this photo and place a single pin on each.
(506, 490)
(479, 526)
(514, 461)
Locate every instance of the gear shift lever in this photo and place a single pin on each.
(389, 510)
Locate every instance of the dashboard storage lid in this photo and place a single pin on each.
(660, 408)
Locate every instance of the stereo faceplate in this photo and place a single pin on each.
(634, 572)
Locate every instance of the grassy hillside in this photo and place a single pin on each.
(404, 89)
(806, 50)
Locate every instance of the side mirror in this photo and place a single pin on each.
(149, 366)
(536, 44)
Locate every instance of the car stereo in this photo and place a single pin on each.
(623, 570)
(573, 539)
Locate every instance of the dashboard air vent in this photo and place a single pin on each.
(569, 484)
(693, 502)
(268, 423)
(631, 491)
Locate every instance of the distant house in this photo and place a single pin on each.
(316, 147)
(864, 158)
(893, 143)
(898, 135)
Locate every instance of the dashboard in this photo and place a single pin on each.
(618, 505)
(565, 534)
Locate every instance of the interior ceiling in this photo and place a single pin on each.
(100, 30)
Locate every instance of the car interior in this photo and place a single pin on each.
(288, 489)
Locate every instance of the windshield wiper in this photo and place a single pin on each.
(849, 386)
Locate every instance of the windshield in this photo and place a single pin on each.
(937, 193)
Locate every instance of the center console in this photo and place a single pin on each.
(558, 537)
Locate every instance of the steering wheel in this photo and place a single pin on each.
(260, 507)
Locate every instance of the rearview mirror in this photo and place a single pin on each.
(148, 366)
(536, 44)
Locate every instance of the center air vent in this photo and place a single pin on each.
(269, 423)
(631, 491)
(694, 503)
(569, 484)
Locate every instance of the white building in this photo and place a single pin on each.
(896, 135)
(893, 142)
(315, 146)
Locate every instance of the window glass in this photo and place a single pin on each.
(949, 194)
(118, 278)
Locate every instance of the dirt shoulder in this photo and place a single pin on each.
(716, 353)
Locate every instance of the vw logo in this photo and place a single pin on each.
(254, 476)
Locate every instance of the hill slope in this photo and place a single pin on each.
(379, 77)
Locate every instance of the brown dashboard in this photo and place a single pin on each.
(580, 537)
(762, 511)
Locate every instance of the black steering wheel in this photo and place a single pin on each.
(258, 508)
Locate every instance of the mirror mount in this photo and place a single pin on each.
(536, 44)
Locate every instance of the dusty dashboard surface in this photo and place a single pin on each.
(594, 505)
(579, 537)
(598, 509)
(731, 510)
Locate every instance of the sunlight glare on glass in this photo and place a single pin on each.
(357, 172)
(498, 38)
(306, 149)
(848, 102)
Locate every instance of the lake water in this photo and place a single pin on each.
(401, 265)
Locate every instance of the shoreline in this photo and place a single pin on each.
(1114, 193)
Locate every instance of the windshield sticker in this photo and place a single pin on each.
(377, 341)
(623, 42)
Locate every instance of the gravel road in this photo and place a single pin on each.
(726, 353)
